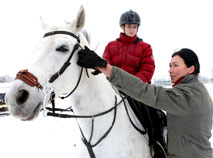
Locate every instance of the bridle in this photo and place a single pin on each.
(48, 91)
(30, 79)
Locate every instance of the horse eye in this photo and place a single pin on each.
(62, 48)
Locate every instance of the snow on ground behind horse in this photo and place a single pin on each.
(43, 137)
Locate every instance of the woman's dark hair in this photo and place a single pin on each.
(190, 58)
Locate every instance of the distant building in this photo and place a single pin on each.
(4, 87)
(161, 82)
(2, 100)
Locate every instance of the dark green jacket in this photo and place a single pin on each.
(189, 111)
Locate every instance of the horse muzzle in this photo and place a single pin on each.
(23, 100)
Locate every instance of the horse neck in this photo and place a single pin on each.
(95, 94)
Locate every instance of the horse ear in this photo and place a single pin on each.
(79, 22)
(44, 25)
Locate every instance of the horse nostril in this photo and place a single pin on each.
(22, 96)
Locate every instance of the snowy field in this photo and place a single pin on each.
(44, 137)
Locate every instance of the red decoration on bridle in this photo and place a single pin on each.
(28, 78)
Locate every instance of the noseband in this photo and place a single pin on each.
(28, 78)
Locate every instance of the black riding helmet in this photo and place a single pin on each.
(130, 17)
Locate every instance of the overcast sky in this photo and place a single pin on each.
(165, 24)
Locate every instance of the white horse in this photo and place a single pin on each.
(110, 135)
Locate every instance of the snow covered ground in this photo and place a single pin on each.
(43, 137)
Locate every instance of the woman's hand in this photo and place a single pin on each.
(89, 59)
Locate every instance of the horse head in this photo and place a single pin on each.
(54, 61)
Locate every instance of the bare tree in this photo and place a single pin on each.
(6, 78)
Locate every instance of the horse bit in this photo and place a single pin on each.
(48, 91)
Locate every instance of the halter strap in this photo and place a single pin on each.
(62, 32)
(66, 64)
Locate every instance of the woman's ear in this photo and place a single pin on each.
(191, 69)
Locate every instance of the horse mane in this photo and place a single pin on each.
(87, 35)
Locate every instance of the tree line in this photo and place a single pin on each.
(6, 78)
(159, 81)
(166, 81)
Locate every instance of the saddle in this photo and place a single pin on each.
(154, 122)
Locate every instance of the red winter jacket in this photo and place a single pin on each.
(132, 55)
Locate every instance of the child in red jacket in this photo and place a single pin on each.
(132, 54)
(129, 52)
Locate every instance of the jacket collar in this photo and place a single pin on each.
(127, 39)
(177, 82)
(186, 79)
